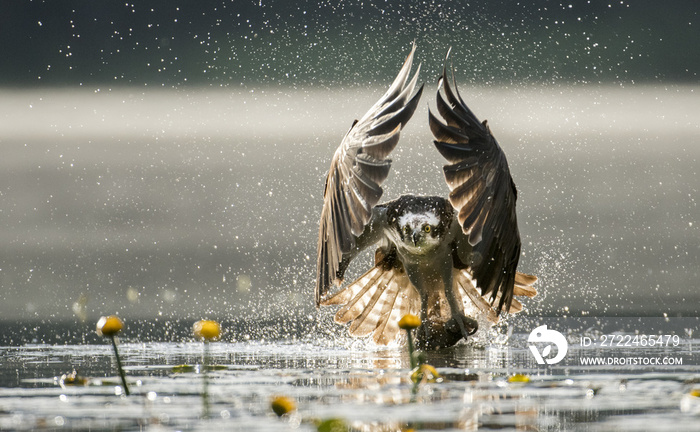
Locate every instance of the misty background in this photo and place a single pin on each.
(167, 159)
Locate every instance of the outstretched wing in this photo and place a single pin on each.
(482, 193)
(359, 167)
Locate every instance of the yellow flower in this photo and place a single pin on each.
(73, 379)
(183, 368)
(282, 405)
(409, 322)
(425, 373)
(519, 378)
(332, 425)
(206, 329)
(109, 326)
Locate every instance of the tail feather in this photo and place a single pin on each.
(523, 285)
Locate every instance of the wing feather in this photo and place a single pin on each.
(388, 321)
(462, 195)
(482, 193)
(377, 300)
(463, 285)
(358, 169)
(359, 302)
(344, 296)
(464, 288)
(368, 320)
(376, 169)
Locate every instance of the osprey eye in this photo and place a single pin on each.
(427, 228)
(407, 229)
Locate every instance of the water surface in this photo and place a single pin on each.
(366, 386)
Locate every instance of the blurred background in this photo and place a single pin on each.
(167, 158)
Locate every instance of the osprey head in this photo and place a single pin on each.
(419, 223)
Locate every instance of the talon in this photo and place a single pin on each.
(463, 325)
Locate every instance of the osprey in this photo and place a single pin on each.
(447, 260)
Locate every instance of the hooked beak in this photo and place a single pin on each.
(415, 238)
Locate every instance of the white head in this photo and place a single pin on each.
(419, 230)
(419, 224)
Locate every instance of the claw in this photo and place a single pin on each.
(436, 337)
(462, 324)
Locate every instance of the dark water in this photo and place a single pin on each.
(333, 377)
